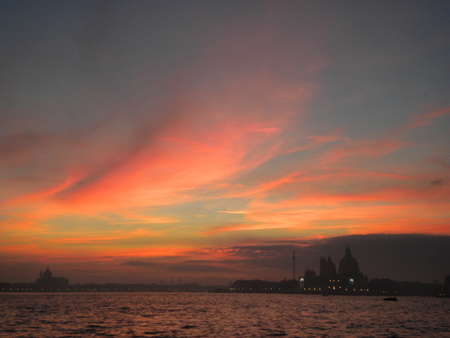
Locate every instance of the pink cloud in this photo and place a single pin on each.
(427, 118)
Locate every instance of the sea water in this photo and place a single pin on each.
(220, 315)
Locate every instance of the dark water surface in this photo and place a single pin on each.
(220, 315)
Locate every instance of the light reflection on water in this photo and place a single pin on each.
(220, 315)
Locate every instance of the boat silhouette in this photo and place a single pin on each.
(392, 299)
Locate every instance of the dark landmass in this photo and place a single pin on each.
(375, 287)
(34, 287)
(49, 283)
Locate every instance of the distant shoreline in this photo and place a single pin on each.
(403, 289)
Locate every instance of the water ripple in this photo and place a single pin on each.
(219, 315)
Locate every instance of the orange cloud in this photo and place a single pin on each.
(375, 208)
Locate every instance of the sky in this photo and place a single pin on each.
(204, 141)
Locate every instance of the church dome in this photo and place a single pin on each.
(47, 274)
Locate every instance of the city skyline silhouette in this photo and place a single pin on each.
(399, 257)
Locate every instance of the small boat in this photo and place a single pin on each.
(391, 299)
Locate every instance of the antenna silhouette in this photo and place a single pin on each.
(293, 264)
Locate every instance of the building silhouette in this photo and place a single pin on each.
(46, 281)
(327, 269)
(347, 279)
(349, 272)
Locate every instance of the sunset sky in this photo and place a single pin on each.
(205, 140)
